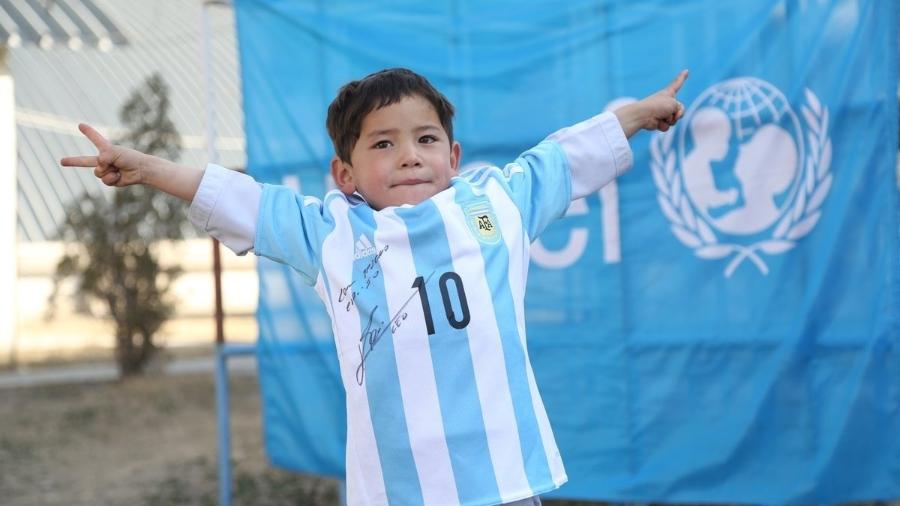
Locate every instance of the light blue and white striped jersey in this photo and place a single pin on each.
(426, 303)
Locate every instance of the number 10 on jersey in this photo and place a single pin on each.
(456, 321)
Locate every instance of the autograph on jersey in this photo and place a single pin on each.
(375, 330)
(347, 294)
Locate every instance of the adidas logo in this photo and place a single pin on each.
(363, 248)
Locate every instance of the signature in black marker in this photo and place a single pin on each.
(372, 269)
(369, 273)
(345, 293)
(373, 333)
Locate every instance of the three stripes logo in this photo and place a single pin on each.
(363, 247)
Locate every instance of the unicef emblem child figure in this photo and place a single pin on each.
(736, 179)
(422, 271)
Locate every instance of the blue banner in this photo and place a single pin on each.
(721, 324)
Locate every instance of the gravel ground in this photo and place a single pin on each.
(149, 440)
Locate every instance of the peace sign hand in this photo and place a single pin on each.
(113, 165)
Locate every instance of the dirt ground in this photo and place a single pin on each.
(149, 441)
(146, 441)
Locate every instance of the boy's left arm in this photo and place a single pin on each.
(659, 111)
(597, 149)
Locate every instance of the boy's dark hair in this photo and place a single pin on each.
(356, 99)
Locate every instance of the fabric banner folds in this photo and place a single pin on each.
(720, 324)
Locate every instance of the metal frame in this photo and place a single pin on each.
(223, 349)
(223, 419)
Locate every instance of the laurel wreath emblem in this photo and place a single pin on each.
(800, 218)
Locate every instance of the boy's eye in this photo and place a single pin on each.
(382, 145)
(427, 139)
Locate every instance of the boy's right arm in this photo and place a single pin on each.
(228, 205)
(225, 206)
(120, 166)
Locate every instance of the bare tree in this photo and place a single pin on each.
(110, 241)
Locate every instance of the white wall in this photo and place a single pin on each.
(69, 333)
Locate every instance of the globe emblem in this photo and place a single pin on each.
(735, 178)
(741, 155)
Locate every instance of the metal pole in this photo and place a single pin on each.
(223, 412)
(212, 155)
(222, 405)
(223, 426)
(8, 195)
(217, 276)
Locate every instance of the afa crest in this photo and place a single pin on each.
(483, 222)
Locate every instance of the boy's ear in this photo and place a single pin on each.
(342, 174)
(455, 156)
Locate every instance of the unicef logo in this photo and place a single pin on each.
(740, 177)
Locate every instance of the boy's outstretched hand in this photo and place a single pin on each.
(120, 166)
(114, 165)
(659, 111)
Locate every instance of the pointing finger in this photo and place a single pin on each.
(676, 83)
(94, 136)
(79, 161)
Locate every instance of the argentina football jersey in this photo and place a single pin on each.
(427, 309)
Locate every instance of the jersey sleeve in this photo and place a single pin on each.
(225, 206)
(571, 163)
(272, 221)
(597, 152)
(291, 229)
(538, 183)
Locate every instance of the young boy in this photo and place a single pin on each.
(423, 272)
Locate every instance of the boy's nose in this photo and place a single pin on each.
(410, 158)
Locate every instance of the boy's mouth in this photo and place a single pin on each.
(410, 182)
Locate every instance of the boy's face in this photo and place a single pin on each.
(402, 156)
